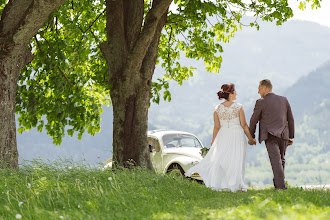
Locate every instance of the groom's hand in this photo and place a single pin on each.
(290, 142)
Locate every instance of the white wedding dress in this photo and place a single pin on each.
(223, 167)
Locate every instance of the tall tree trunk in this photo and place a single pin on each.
(8, 84)
(131, 55)
(20, 21)
(130, 108)
(9, 72)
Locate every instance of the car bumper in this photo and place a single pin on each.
(196, 176)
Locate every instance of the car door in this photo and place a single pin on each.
(156, 154)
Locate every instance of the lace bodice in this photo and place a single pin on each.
(228, 116)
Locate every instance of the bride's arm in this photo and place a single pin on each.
(217, 126)
(244, 125)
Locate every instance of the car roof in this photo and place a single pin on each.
(161, 132)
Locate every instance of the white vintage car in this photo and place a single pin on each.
(173, 152)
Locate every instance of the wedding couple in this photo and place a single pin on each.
(223, 167)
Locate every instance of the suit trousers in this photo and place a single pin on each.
(276, 148)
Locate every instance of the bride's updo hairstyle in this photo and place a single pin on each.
(226, 89)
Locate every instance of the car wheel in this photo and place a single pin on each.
(175, 170)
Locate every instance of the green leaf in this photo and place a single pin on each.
(20, 130)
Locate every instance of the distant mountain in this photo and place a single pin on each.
(310, 102)
(310, 91)
(309, 157)
(283, 54)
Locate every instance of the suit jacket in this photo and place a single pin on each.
(273, 112)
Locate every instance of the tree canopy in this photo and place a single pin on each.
(67, 82)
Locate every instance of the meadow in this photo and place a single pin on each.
(67, 190)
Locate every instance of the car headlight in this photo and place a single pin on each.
(194, 163)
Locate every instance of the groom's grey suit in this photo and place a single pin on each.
(276, 127)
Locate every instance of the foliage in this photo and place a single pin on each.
(315, 4)
(2, 5)
(74, 191)
(67, 82)
(204, 151)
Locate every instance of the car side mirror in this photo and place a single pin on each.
(151, 148)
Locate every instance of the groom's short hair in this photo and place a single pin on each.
(267, 83)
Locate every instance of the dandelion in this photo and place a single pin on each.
(19, 204)
(28, 185)
(110, 178)
(18, 216)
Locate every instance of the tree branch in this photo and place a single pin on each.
(21, 19)
(115, 50)
(148, 32)
(169, 49)
(149, 61)
(63, 74)
(38, 44)
(133, 20)
(84, 31)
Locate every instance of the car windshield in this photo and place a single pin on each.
(180, 140)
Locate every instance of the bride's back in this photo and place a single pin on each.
(228, 115)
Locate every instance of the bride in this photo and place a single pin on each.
(223, 167)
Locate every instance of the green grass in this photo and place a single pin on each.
(76, 191)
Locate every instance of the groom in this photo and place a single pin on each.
(276, 128)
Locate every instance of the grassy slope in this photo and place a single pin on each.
(79, 192)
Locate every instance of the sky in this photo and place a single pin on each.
(320, 15)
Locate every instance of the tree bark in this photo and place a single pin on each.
(10, 67)
(20, 21)
(131, 55)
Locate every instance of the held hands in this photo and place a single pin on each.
(252, 142)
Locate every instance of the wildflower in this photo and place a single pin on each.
(28, 185)
(70, 168)
(110, 178)
(79, 206)
(19, 204)
(61, 217)
(18, 216)
(37, 193)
